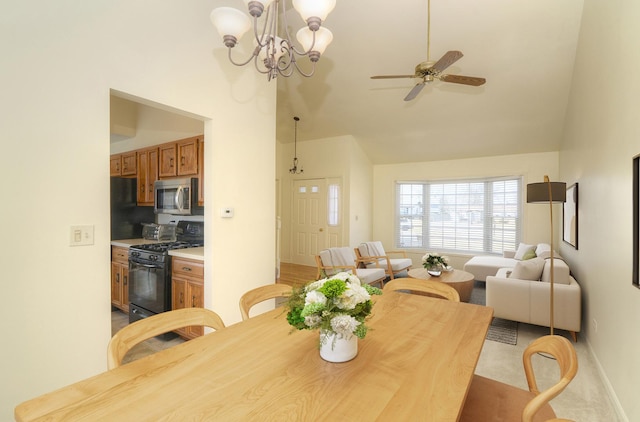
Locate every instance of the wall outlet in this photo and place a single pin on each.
(81, 235)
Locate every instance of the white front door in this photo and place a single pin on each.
(309, 220)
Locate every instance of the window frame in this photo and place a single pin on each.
(494, 239)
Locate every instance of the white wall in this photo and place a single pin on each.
(360, 196)
(532, 167)
(601, 138)
(60, 61)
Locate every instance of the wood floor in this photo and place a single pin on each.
(296, 275)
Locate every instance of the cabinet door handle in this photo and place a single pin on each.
(171, 162)
(117, 278)
(182, 160)
(124, 279)
(193, 301)
(186, 269)
(181, 297)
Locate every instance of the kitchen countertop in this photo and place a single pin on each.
(125, 243)
(189, 253)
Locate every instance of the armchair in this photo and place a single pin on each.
(334, 260)
(373, 255)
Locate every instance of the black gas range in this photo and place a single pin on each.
(150, 270)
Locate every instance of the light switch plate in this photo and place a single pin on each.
(81, 235)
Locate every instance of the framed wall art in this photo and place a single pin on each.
(570, 217)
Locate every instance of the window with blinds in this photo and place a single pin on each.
(473, 216)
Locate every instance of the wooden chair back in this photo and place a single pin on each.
(566, 357)
(147, 328)
(260, 294)
(436, 288)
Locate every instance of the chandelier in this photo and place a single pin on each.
(272, 54)
(294, 169)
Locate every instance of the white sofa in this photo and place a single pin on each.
(482, 266)
(520, 291)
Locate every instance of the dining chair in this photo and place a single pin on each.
(489, 399)
(260, 294)
(152, 326)
(373, 255)
(435, 288)
(343, 259)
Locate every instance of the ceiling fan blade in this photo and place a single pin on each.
(415, 91)
(465, 80)
(447, 60)
(393, 76)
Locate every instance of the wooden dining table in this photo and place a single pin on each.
(415, 364)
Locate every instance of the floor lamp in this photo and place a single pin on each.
(548, 192)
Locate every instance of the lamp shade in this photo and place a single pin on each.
(314, 8)
(323, 39)
(539, 192)
(230, 21)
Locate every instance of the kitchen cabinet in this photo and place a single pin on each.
(167, 160)
(187, 290)
(120, 278)
(188, 156)
(179, 158)
(201, 173)
(123, 164)
(147, 175)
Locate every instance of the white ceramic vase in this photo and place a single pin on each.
(336, 348)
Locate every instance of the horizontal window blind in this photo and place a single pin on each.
(475, 216)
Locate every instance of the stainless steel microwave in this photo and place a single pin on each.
(176, 196)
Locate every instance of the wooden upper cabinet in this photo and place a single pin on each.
(201, 173)
(129, 167)
(188, 156)
(167, 160)
(147, 174)
(115, 165)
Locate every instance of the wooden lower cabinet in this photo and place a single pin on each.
(187, 290)
(120, 278)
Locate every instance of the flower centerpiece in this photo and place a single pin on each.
(337, 306)
(434, 263)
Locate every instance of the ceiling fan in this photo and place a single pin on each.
(429, 70)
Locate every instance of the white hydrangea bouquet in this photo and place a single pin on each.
(430, 260)
(338, 304)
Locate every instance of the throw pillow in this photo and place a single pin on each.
(528, 270)
(523, 248)
(529, 255)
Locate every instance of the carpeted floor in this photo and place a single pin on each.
(500, 330)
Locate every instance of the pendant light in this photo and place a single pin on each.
(294, 169)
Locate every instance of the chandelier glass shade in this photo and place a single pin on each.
(276, 54)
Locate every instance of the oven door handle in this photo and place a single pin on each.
(147, 265)
(178, 198)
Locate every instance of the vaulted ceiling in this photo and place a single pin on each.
(525, 49)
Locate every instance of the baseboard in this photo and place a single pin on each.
(607, 385)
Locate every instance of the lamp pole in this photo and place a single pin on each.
(548, 182)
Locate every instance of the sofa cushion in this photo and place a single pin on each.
(530, 269)
(561, 273)
(529, 255)
(523, 248)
